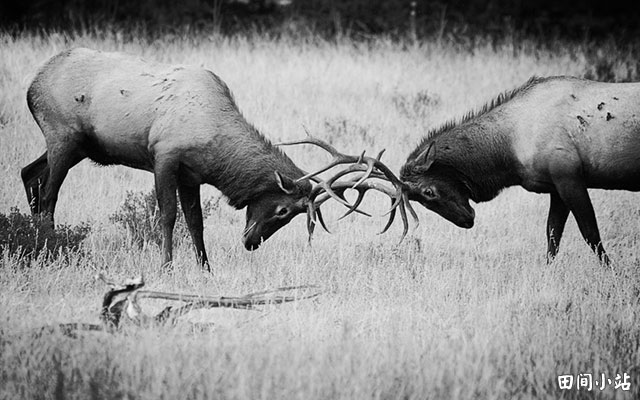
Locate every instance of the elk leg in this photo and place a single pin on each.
(35, 177)
(558, 213)
(60, 161)
(166, 184)
(190, 200)
(574, 194)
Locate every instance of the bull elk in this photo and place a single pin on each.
(556, 135)
(182, 124)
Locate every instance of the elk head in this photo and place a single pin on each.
(438, 188)
(272, 211)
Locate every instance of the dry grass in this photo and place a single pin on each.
(448, 314)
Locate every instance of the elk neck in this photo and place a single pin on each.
(240, 162)
(479, 150)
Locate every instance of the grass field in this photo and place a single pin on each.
(447, 314)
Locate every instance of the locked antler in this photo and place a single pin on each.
(332, 188)
(362, 188)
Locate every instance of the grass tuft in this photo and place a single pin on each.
(139, 215)
(29, 235)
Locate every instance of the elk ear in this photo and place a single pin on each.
(427, 157)
(286, 184)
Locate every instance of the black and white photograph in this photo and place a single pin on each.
(319, 199)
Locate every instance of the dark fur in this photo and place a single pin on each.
(256, 179)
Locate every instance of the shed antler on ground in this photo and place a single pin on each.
(121, 305)
(122, 302)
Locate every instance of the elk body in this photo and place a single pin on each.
(557, 135)
(181, 123)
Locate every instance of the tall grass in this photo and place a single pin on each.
(447, 314)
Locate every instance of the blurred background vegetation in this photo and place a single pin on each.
(354, 19)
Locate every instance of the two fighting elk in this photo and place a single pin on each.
(556, 135)
(182, 124)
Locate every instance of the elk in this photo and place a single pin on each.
(180, 123)
(556, 135)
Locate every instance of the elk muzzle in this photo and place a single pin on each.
(250, 240)
(463, 217)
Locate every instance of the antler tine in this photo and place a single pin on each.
(321, 220)
(338, 192)
(341, 188)
(405, 222)
(311, 218)
(325, 197)
(392, 216)
(340, 158)
(399, 200)
(370, 167)
(371, 164)
(313, 212)
(413, 213)
(313, 206)
(362, 188)
(356, 204)
(368, 172)
(326, 187)
(337, 157)
(403, 205)
(248, 301)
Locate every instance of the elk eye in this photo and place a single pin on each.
(282, 211)
(429, 192)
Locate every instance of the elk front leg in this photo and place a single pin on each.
(166, 184)
(558, 213)
(574, 194)
(190, 200)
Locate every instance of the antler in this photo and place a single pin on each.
(363, 187)
(122, 301)
(313, 206)
(371, 168)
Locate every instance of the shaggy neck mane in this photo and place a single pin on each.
(471, 115)
(247, 169)
(473, 149)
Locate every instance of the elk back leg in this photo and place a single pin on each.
(166, 181)
(190, 200)
(558, 213)
(63, 153)
(35, 177)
